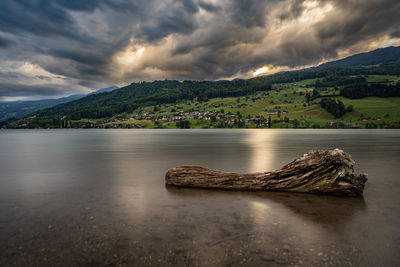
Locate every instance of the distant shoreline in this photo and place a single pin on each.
(217, 129)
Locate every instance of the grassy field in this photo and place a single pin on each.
(289, 99)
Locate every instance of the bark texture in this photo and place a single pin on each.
(318, 171)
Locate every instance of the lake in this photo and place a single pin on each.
(97, 197)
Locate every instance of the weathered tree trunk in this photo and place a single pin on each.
(318, 172)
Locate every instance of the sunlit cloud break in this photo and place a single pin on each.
(261, 70)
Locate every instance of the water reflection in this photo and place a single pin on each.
(263, 145)
(331, 211)
(259, 211)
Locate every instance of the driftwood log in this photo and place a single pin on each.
(318, 171)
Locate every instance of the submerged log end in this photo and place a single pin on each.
(318, 171)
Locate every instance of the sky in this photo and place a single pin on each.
(56, 48)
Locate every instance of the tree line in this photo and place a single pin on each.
(361, 90)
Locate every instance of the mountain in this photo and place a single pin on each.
(19, 109)
(380, 57)
(104, 90)
(126, 99)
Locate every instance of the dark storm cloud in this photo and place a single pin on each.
(395, 34)
(249, 13)
(42, 22)
(20, 84)
(87, 57)
(176, 17)
(97, 42)
(15, 90)
(209, 6)
(5, 42)
(43, 17)
(35, 18)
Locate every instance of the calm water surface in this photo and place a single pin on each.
(96, 197)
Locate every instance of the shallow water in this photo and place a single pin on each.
(96, 197)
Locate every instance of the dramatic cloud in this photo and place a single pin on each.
(54, 48)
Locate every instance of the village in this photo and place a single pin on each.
(211, 119)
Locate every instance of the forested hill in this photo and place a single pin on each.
(130, 97)
(126, 99)
(18, 109)
(389, 56)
